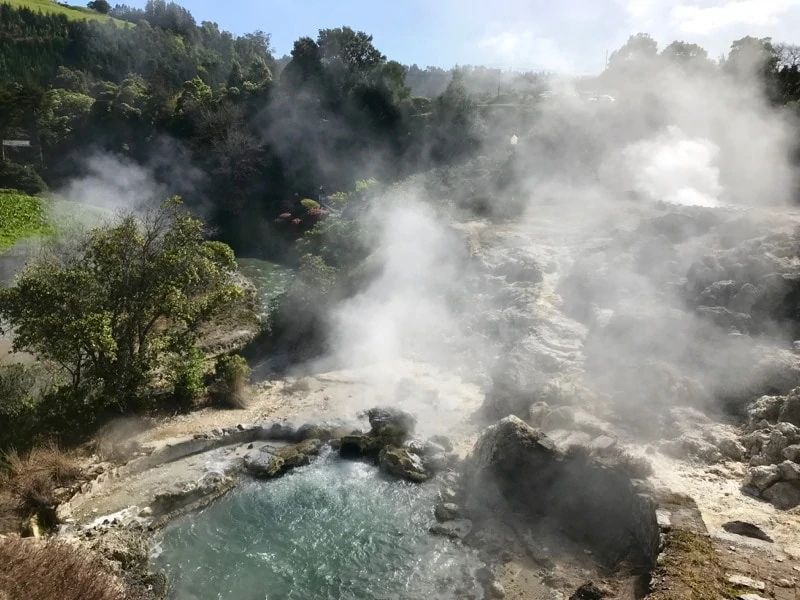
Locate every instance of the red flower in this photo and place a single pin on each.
(296, 221)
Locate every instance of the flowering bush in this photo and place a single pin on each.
(285, 216)
(297, 221)
(315, 212)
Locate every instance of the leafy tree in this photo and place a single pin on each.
(101, 6)
(638, 48)
(129, 300)
(685, 54)
(61, 112)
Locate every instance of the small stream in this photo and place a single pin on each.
(332, 530)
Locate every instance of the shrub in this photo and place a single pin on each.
(309, 204)
(32, 569)
(231, 375)
(21, 177)
(188, 378)
(29, 483)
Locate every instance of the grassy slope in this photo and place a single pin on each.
(72, 12)
(21, 216)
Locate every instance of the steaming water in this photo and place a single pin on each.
(335, 529)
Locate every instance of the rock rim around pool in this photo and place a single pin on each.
(272, 461)
(390, 444)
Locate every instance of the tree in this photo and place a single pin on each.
(685, 53)
(638, 48)
(61, 112)
(127, 301)
(751, 56)
(101, 6)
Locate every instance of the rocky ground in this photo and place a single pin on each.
(655, 338)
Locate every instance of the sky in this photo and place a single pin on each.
(569, 36)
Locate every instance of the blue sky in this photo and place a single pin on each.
(562, 35)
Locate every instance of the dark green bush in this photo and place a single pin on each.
(229, 389)
(20, 177)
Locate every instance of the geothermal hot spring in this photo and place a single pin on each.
(333, 529)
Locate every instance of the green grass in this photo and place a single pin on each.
(21, 216)
(71, 12)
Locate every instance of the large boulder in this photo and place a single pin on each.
(270, 461)
(403, 463)
(595, 504)
(783, 495)
(389, 427)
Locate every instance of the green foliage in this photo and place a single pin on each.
(129, 299)
(362, 185)
(20, 177)
(187, 378)
(20, 390)
(309, 204)
(337, 242)
(21, 216)
(101, 6)
(229, 389)
(61, 112)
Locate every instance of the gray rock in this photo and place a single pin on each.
(402, 463)
(731, 449)
(458, 529)
(783, 495)
(496, 590)
(790, 411)
(560, 418)
(746, 529)
(269, 461)
(437, 463)
(537, 412)
(766, 408)
(603, 443)
(740, 580)
(789, 471)
(447, 511)
(792, 453)
(763, 477)
(443, 441)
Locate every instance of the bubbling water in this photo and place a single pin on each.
(334, 529)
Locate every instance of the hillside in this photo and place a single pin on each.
(74, 13)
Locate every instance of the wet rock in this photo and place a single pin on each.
(447, 511)
(273, 462)
(458, 529)
(391, 424)
(719, 293)
(588, 591)
(782, 495)
(321, 431)
(356, 446)
(537, 412)
(747, 530)
(763, 477)
(402, 463)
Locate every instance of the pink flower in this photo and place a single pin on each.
(296, 221)
(285, 215)
(315, 212)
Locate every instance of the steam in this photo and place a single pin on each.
(675, 168)
(582, 282)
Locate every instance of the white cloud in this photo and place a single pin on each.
(702, 20)
(523, 48)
